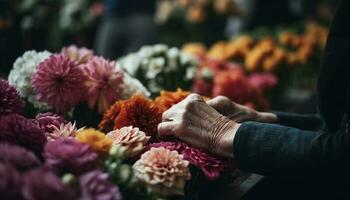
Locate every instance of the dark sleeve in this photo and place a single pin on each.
(305, 122)
(293, 154)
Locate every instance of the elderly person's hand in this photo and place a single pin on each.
(240, 113)
(194, 121)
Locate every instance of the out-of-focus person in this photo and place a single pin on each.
(125, 27)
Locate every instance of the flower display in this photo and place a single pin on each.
(59, 82)
(10, 101)
(103, 83)
(138, 112)
(79, 55)
(10, 182)
(130, 140)
(163, 171)
(67, 154)
(41, 184)
(96, 139)
(20, 158)
(95, 185)
(159, 67)
(16, 129)
(21, 76)
(168, 99)
(263, 81)
(47, 121)
(63, 130)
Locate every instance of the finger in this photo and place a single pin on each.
(167, 128)
(194, 97)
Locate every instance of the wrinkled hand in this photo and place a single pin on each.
(240, 113)
(194, 121)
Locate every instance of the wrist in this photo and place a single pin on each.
(222, 136)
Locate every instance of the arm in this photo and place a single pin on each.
(301, 121)
(293, 154)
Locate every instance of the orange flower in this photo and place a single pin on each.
(137, 112)
(96, 139)
(168, 99)
(107, 123)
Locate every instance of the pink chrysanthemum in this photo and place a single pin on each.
(210, 165)
(47, 121)
(59, 82)
(62, 131)
(10, 101)
(80, 55)
(104, 83)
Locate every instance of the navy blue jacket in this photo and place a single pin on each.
(294, 150)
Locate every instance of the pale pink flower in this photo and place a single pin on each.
(63, 130)
(80, 55)
(164, 172)
(129, 140)
(104, 83)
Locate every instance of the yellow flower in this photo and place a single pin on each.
(96, 139)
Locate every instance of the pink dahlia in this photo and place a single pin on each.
(59, 82)
(69, 155)
(18, 157)
(172, 146)
(10, 101)
(104, 83)
(41, 184)
(47, 121)
(79, 55)
(16, 129)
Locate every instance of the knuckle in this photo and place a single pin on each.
(195, 97)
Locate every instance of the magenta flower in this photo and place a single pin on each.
(59, 82)
(18, 157)
(104, 83)
(79, 55)
(10, 183)
(16, 129)
(263, 81)
(10, 101)
(41, 184)
(47, 121)
(68, 155)
(210, 165)
(95, 185)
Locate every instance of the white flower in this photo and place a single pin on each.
(186, 59)
(145, 52)
(155, 66)
(160, 49)
(130, 63)
(173, 53)
(132, 86)
(21, 76)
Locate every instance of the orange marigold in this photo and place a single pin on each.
(138, 111)
(168, 99)
(96, 139)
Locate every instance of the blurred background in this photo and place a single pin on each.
(284, 38)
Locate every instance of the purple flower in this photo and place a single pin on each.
(66, 154)
(40, 184)
(18, 157)
(16, 129)
(47, 121)
(10, 101)
(10, 183)
(95, 185)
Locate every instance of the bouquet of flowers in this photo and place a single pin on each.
(69, 80)
(159, 67)
(48, 157)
